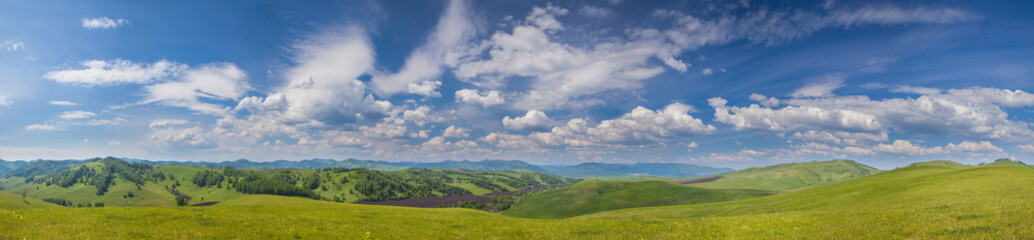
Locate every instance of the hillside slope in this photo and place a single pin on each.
(923, 202)
(9, 200)
(115, 182)
(597, 196)
(790, 176)
(677, 170)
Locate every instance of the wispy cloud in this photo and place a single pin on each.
(76, 115)
(63, 103)
(12, 46)
(43, 127)
(103, 23)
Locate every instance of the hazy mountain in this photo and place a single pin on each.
(638, 169)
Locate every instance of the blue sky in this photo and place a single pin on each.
(721, 83)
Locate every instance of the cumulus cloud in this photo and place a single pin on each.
(103, 23)
(5, 102)
(764, 101)
(821, 86)
(974, 113)
(907, 148)
(533, 120)
(43, 127)
(691, 146)
(456, 132)
(192, 137)
(76, 115)
(63, 103)
(444, 47)
(12, 46)
(100, 72)
(558, 71)
(640, 126)
(440, 144)
(472, 96)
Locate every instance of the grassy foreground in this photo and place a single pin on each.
(914, 202)
(596, 196)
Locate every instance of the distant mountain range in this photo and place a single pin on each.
(581, 170)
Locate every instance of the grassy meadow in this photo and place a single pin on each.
(917, 202)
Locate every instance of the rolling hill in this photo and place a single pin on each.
(917, 202)
(1005, 162)
(679, 170)
(115, 182)
(596, 196)
(790, 176)
(9, 200)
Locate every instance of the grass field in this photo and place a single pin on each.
(919, 202)
(596, 196)
(791, 176)
(10, 200)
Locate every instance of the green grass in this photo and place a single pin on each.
(919, 202)
(9, 200)
(791, 176)
(596, 196)
(940, 163)
(1005, 162)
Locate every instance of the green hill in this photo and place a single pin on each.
(10, 200)
(918, 202)
(790, 176)
(115, 182)
(597, 196)
(1005, 162)
(940, 163)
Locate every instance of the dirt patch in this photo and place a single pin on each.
(536, 188)
(204, 204)
(702, 180)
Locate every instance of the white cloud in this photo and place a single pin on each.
(103, 23)
(43, 127)
(707, 71)
(417, 116)
(1026, 148)
(4, 102)
(440, 144)
(974, 113)
(193, 137)
(161, 123)
(472, 96)
(595, 12)
(103, 122)
(63, 103)
(876, 65)
(764, 101)
(907, 148)
(793, 118)
(456, 132)
(533, 120)
(691, 146)
(640, 126)
(559, 71)
(324, 85)
(443, 47)
(389, 128)
(218, 81)
(98, 72)
(114, 143)
(773, 27)
(12, 46)
(821, 86)
(76, 115)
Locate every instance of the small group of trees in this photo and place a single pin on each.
(67, 203)
(208, 178)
